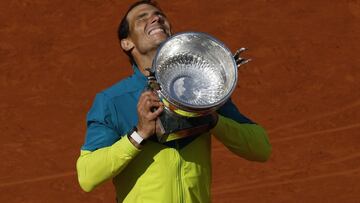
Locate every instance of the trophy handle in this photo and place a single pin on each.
(238, 60)
(152, 83)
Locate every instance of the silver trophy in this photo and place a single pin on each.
(193, 74)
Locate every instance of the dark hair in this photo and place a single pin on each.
(123, 30)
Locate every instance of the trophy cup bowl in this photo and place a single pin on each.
(196, 72)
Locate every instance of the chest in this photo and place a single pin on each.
(125, 110)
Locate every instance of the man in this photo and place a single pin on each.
(121, 123)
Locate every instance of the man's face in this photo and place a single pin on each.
(148, 27)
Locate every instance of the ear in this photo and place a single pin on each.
(127, 44)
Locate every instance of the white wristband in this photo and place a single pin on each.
(135, 136)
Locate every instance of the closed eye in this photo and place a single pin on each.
(142, 16)
(159, 13)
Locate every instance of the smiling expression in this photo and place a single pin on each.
(148, 28)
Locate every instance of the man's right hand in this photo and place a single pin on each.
(148, 101)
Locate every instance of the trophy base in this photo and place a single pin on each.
(182, 126)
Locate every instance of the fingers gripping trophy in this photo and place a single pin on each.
(193, 74)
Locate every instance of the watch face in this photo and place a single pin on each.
(135, 136)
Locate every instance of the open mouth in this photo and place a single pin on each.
(157, 30)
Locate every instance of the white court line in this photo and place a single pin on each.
(315, 117)
(42, 178)
(331, 130)
(284, 139)
(285, 182)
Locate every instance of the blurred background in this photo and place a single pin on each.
(302, 86)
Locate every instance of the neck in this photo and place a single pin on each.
(144, 61)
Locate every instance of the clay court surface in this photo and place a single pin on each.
(302, 86)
